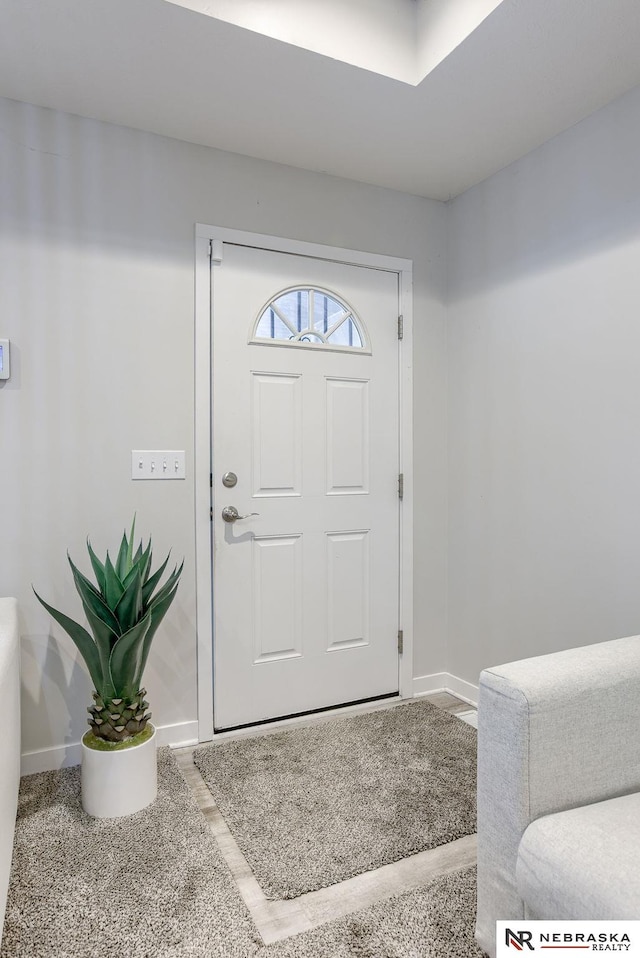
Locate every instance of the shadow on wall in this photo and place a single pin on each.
(172, 656)
(55, 687)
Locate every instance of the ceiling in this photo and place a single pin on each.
(401, 39)
(529, 70)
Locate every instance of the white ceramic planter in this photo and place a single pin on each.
(116, 783)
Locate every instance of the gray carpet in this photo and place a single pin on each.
(152, 885)
(315, 805)
(436, 921)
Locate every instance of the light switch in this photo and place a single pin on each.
(158, 464)
(5, 359)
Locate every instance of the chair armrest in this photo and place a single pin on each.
(554, 732)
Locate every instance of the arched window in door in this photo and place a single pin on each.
(310, 317)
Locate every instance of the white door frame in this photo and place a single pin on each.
(208, 245)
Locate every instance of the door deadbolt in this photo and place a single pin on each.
(229, 480)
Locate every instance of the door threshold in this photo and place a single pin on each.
(328, 711)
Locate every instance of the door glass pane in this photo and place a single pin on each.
(309, 317)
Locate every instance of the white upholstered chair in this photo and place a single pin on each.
(559, 787)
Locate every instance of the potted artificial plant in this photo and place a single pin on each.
(124, 610)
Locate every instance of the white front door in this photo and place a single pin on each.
(305, 417)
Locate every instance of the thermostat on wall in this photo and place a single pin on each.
(5, 359)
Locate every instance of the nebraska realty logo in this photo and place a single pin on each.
(567, 937)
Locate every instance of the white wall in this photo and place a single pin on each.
(544, 398)
(96, 285)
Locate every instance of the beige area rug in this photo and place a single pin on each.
(151, 885)
(311, 806)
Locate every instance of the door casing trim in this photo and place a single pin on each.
(204, 235)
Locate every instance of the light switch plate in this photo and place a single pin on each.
(5, 359)
(158, 464)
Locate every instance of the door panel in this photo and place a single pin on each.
(305, 592)
(277, 597)
(277, 434)
(348, 589)
(348, 451)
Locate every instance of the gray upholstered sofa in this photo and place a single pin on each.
(559, 787)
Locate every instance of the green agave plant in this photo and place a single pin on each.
(124, 615)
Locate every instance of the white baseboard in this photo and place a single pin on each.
(178, 736)
(50, 759)
(62, 756)
(446, 682)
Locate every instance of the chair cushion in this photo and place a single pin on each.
(583, 863)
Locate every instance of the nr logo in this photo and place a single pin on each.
(518, 939)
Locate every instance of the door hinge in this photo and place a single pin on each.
(211, 480)
(215, 251)
(400, 327)
(211, 514)
(400, 640)
(401, 485)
